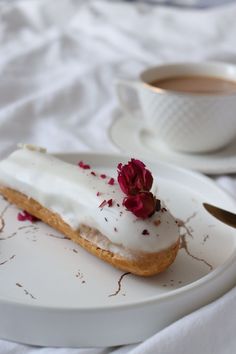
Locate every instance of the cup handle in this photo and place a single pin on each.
(127, 94)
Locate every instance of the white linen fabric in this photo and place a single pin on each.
(190, 3)
(57, 66)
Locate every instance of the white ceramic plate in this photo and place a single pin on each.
(54, 293)
(127, 133)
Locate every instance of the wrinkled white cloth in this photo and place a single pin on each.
(57, 66)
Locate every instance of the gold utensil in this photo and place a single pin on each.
(223, 215)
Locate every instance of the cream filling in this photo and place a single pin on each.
(75, 194)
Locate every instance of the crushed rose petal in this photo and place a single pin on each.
(103, 203)
(110, 202)
(106, 202)
(25, 216)
(111, 181)
(98, 193)
(158, 205)
(103, 176)
(84, 166)
(93, 173)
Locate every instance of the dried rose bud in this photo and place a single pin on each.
(142, 205)
(134, 177)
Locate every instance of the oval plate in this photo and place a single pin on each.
(54, 293)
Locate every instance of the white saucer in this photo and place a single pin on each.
(54, 293)
(127, 134)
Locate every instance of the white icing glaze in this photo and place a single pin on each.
(71, 192)
(31, 147)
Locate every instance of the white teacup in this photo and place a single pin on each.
(185, 121)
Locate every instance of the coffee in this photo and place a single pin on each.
(196, 84)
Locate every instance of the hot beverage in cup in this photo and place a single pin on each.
(196, 84)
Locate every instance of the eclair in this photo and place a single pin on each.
(119, 220)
